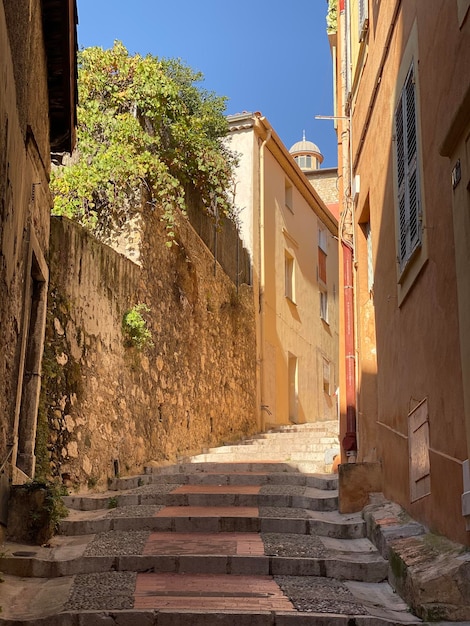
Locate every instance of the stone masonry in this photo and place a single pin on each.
(111, 408)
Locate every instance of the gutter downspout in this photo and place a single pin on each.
(262, 274)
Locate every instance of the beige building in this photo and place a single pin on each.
(403, 102)
(37, 116)
(292, 239)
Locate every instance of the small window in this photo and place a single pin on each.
(326, 376)
(288, 196)
(324, 306)
(293, 387)
(370, 261)
(289, 276)
(322, 254)
(321, 266)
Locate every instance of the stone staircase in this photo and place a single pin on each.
(308, 447)
(215, 541)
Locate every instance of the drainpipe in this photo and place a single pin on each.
(349, 442)
(262, 272)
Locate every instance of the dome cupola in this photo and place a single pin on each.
(307, 154)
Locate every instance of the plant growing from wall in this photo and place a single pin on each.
(146, 130)
(332, 17)
(134, 328)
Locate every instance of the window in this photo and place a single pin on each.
(304, 161)
(321, 266)
(409, 213)
(324, 305)
(288, 195)
(289, 276)
(370, 260)
(322, 253)
(326, 376)
(363, 18)
(293, 387)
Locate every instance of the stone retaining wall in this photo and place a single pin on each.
(110, 408)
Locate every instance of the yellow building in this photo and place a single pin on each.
(292, 239)
(403, 100)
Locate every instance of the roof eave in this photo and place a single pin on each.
(60, 40)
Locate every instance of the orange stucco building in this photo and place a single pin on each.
(403, 119)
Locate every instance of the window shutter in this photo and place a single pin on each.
(321, 266)
(412, 160)
(407, 171)
(370, 260)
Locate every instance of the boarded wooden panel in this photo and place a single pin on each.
(418, 432)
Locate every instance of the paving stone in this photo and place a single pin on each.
(246, 542)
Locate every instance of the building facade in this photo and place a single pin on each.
(37, 116)
(291, 237)
(403, 102)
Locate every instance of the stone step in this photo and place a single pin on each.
(190, 465)
(315, 460)
(212, 495)
(228, 519)
(206, 553)
(185, 474)
(353, 567)
(149, 599)
(328, 425)
(274, 448)
(286, 441)
(281, 454)
(311, 435)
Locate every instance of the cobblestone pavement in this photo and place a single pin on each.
(211, 544)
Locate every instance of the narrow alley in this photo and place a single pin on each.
(230, 537)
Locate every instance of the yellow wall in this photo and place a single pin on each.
(288, 328)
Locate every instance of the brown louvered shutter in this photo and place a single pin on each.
(407, 171)
(321, 266)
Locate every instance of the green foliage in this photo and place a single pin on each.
(134, 328)
(332, 17)
(54, 506)
(146, 131)
(112, 502)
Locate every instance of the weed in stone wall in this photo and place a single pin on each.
(44, 507)
(134, 328)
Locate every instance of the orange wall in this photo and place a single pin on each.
(408, 339)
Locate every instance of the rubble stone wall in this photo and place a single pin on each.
(110, 408)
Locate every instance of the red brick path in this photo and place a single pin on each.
(209, 592)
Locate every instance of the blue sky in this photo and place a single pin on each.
(270, 56)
